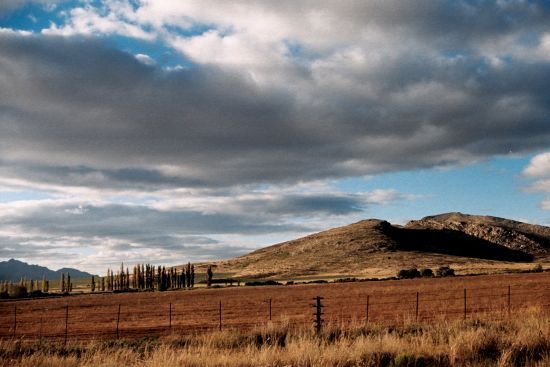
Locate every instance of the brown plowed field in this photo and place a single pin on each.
(389, 302)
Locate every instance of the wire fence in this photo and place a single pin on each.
(195, 313)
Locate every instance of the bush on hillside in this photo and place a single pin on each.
(445, 271)
(259, 282)
(408, 273)
(426, 273)
(537, 269)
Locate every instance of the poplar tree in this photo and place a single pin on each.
(112, 281)
(69, 284)
(192, 276)
(93, 284)
(188, 275)
(183, 280)
(159, 277)
(209, 276)
(142, 276)
(44, 283)
(62, 286)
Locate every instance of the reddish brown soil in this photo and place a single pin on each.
(389, 302)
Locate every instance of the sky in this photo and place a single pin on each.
(172, 131)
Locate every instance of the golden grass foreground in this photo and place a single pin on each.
(523, 340)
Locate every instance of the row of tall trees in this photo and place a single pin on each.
(65, 285)
(24, 287)
(146, 277)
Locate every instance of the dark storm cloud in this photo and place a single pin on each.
(305, 205)
(436, 83)
(135, 222)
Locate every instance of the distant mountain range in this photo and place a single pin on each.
(13, 270)
(375, 246)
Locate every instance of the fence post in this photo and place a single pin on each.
(220, 315)
(367, 319)
(41, 323)
(170, 322)
(66, 322)
(14, 320)
(416, 306)
(318, 308)
(464, 303)
(509, 302)
(118, 322)
(270, 309)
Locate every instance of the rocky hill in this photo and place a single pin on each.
(528, 238)
(359, 248)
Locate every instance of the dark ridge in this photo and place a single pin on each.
(452, 242)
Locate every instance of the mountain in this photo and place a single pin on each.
(13, 270)
(376, 247)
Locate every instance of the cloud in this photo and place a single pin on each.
(146, 59)
(88, 21)
(539, 166)
(79, 113)
(6, 6)
(199, 225)
(539, 169)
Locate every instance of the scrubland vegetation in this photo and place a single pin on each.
(520, 341)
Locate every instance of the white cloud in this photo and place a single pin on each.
(145, 59)
(539, 166)
(88, 21)
(539, 169)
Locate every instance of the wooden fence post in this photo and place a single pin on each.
(416, 307)
(118, 322)
(318, 312)
(14, 320)
(464, 303)
(41, 323)
(509, 302)
(66, 322)
(220, 313)
(367, 318)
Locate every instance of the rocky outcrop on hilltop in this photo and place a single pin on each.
(528, 238)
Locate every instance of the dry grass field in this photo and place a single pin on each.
(95, 316)
(520, 341)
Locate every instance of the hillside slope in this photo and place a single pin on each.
(373, 246)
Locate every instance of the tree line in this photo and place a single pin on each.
(146, 277)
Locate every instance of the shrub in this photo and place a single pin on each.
(17, 291)
(537, 269)
(317, 281)
(426, 272)
(258, 282)
(408, 273)
(445, 271)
